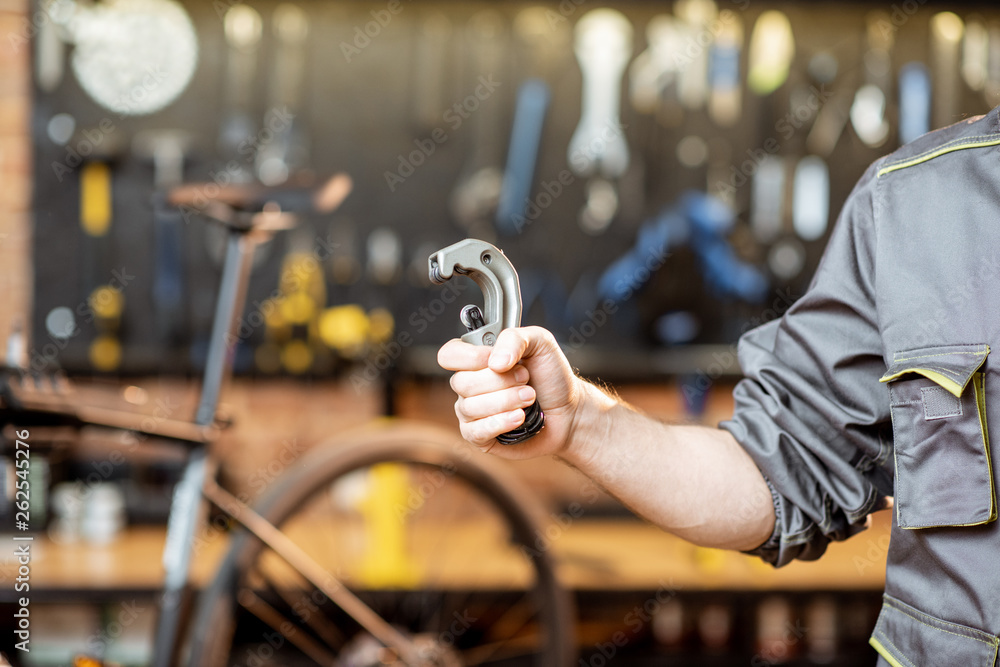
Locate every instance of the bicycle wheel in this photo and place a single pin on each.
(439, 543)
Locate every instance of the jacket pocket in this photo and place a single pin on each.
(907, 637)
(940, 440)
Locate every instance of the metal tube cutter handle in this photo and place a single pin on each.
(489, 268)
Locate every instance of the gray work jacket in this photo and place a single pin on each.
(878, 382)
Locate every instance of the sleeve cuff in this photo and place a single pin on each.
(769, 550)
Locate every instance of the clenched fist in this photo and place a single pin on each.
(493, 390)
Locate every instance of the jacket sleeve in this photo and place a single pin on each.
(810, 410)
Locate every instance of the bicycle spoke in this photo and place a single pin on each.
(312, 616)
(487, 653)
(272, 617)
(515, 616)
(518, 614)
(333, 514)
(447, 556)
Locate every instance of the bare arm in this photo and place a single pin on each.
(694, 481)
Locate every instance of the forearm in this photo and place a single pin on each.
(694, 481)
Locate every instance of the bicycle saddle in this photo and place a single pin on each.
(255, 206)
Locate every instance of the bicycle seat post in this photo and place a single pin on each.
(224, 337)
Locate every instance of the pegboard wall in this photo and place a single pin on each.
(414, 100)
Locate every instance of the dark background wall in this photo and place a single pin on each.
(362, 109)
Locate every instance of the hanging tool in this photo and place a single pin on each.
(167, 150)
(914, 101)
(603, 47)
(868, 112)
(698, 221)
(767, 203)
(598, 149)
(975, 54)
(50, 51)
(991, 87)
(243, 29)
(278, 159)
(653, 70)
(725, 89)
(697, 18)
(771, 51)
(489, 268)
(947, 30)
(96, 217)
(525, 139)
(474, 199)
(811, 198)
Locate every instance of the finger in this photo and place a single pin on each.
(483, 432)
(494, 403)
(474, 383)
(457, 355)
(515, 344)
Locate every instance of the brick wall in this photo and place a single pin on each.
(15, 167)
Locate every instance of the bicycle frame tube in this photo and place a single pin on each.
(187, 510)
(187, 507)
(300, 561)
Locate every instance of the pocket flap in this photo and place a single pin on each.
(950, 366)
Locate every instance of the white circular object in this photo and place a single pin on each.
(601, 207)
(787, 259)
(61, 128)
(60, 323)
(273, 171)
(692, 151)
(133, 57)
(243, 26)
(290, 23)
(868, 115)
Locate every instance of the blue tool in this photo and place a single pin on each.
(701, 222)
(525, 137)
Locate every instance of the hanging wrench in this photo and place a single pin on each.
(492, 271)
(603, 47)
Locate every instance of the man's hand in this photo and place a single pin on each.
(493, 390)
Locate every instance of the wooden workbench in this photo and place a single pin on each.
(619, 553)
(605, 554)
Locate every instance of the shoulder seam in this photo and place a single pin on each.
(979, 141)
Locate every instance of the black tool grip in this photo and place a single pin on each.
(534, 420)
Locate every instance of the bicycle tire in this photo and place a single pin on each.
(410, 444)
